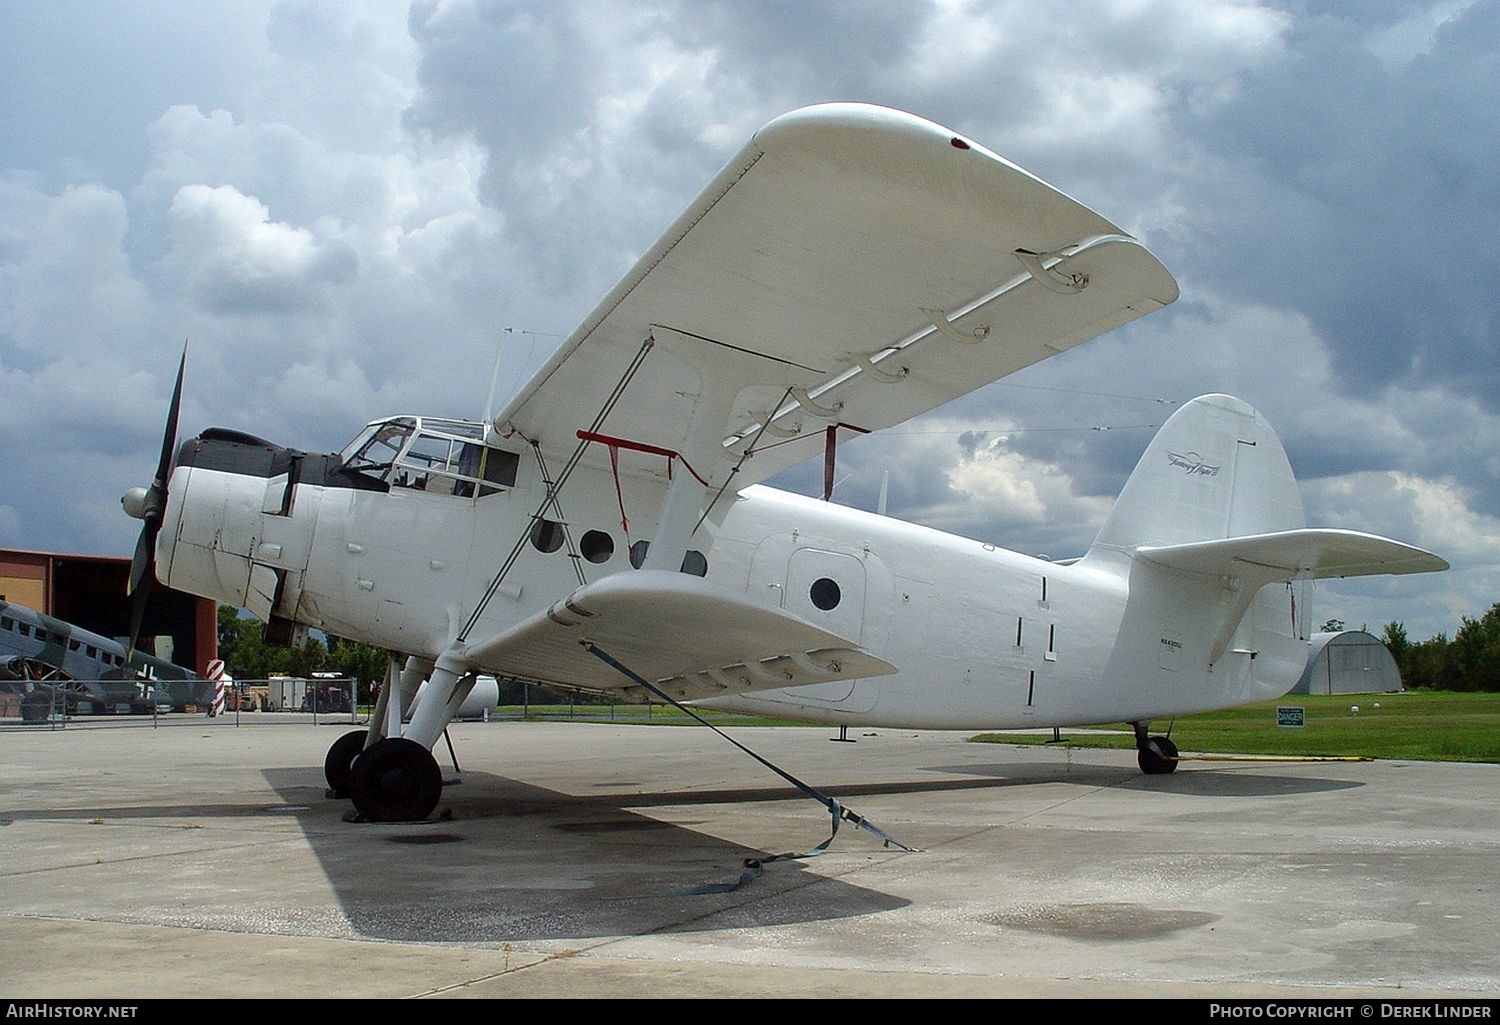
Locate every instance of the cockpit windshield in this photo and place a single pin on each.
(378, 445)
(446, 457)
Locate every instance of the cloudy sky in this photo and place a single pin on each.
(345, 205)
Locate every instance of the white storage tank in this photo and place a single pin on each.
(481, 701)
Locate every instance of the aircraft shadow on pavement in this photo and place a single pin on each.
(507, 860)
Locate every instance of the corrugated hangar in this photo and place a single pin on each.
(91, 591)
(1348, 662)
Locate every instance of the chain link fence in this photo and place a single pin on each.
(57, 703)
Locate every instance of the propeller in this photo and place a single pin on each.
(149, 505)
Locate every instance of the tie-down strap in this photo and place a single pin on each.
(753, 866)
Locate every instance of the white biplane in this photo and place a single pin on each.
(850, 268)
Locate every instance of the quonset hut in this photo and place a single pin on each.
(1348, 662)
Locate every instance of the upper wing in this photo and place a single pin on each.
(676, 630)
(852, 264)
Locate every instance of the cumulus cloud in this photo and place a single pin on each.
(1392, 502)
(68, 285)
(237, 260)
(320, 275)
(1021, 497)
(1440, 513)
(1344, 168)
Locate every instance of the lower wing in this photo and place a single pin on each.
(684, 635)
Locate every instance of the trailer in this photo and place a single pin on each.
(285, 693)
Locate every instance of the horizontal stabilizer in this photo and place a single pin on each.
(678, 631)
(1295, 554)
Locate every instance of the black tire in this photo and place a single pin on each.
(396, 780)
(1158, 757)
(340, 761)
(36, 706)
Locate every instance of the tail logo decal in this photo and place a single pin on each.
(1192, 463)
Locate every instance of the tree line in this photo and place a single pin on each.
(1470, 661)
(248, 656)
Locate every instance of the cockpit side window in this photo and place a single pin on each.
(425, 465)
(498, 469)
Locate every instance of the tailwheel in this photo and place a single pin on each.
(395, 780)
(340, 761)
(1157, 756)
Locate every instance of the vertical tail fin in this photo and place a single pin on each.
(1215, 470)
(1207, 525)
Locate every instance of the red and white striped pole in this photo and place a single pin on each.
(216, 674)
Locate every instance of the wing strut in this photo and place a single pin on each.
(830, 445)
(553, 487)
(838, 811)
(765, 425)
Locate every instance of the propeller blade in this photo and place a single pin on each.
(142, 572)
(138, 598)
(154, 505)
(169, 438)
(140, 563)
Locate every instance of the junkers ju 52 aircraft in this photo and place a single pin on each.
(851, 267)
(54, 664)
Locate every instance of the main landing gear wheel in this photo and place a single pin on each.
(395, 780)
(1157, 756)
(339, 763)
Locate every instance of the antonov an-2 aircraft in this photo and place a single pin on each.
(851, 267)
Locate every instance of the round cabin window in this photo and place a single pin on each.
(547, 535)
(596, 546)
(825, 593)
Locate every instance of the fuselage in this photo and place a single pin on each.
(373, 550)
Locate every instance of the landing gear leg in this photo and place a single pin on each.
(1155, 755)
(396, 779)
(394, 695)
